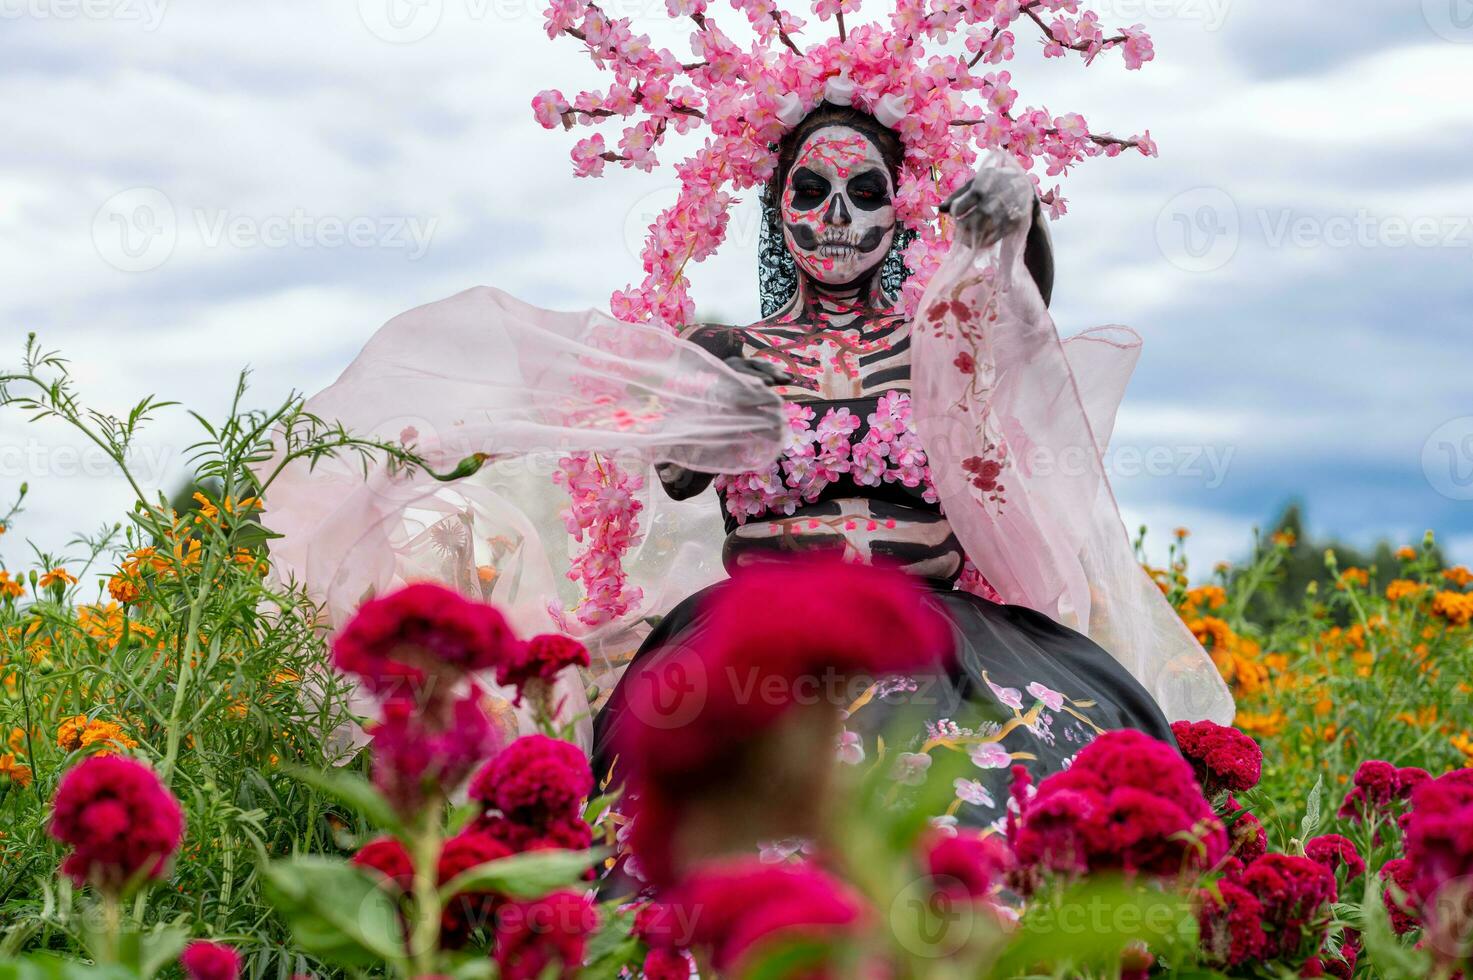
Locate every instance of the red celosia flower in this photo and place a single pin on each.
(1336, 852)
(535, 781)
(1439, 854)
(826, 630)
(210, 961)
(966, 865)
(1377, 787)
(532, 937)
(1396, 876)
(1223, 758)
(1247, 838)
(735, 907)
(1127, 802)
(1230, 924)
(539, 661)
(668, 964)
(468, 911)
(570, 833)
(463, 913)
(122, 824)
(420, 640)
(1295, 893)
(417, 757)
(387, 858)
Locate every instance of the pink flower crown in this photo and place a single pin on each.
(943, 111)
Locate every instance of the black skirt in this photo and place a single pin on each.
(1022, 690)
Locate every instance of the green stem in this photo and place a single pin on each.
(424, 937)
(186, 666)
(111, 927)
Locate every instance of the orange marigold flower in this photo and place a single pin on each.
(1212, 632)
(1256, 723)
(10, 588)
(1463, 744)
(57, 576)
(14, 771)
(81, 732)
(486, 573)
(1455, 607)
(1402, 588)
(1458, 575)
(124, 589)
(1353, 576)
(1182, 533)
(1284, 539)
(1406, 553)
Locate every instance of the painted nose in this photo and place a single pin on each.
(838, 212)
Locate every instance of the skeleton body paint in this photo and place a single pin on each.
(844, 345)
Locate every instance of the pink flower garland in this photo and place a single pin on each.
(605, 512)
(816, 456)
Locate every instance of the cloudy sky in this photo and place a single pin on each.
(189, 189)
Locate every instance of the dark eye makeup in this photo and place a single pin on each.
(809, 189)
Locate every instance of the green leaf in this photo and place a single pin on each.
(529, 875)
(45, 966)
(613, 947)
(1383, 947)
(354, 792)
(336, 912)
(1313, 811)
(159, 948)
(1090, 924)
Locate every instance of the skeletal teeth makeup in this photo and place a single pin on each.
(838, 206)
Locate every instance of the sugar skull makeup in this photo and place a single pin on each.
(838, 206)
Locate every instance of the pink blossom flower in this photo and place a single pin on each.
(1051, 699)
(545, 934)
(549, 106)
(990, 755)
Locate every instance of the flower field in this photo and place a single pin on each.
(184, 788)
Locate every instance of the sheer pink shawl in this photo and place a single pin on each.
(1015, 424)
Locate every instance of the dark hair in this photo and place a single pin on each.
(892, 151)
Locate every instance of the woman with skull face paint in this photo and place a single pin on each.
(854, 479)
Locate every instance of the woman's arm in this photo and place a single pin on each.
(996, 203)
(681, 483)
